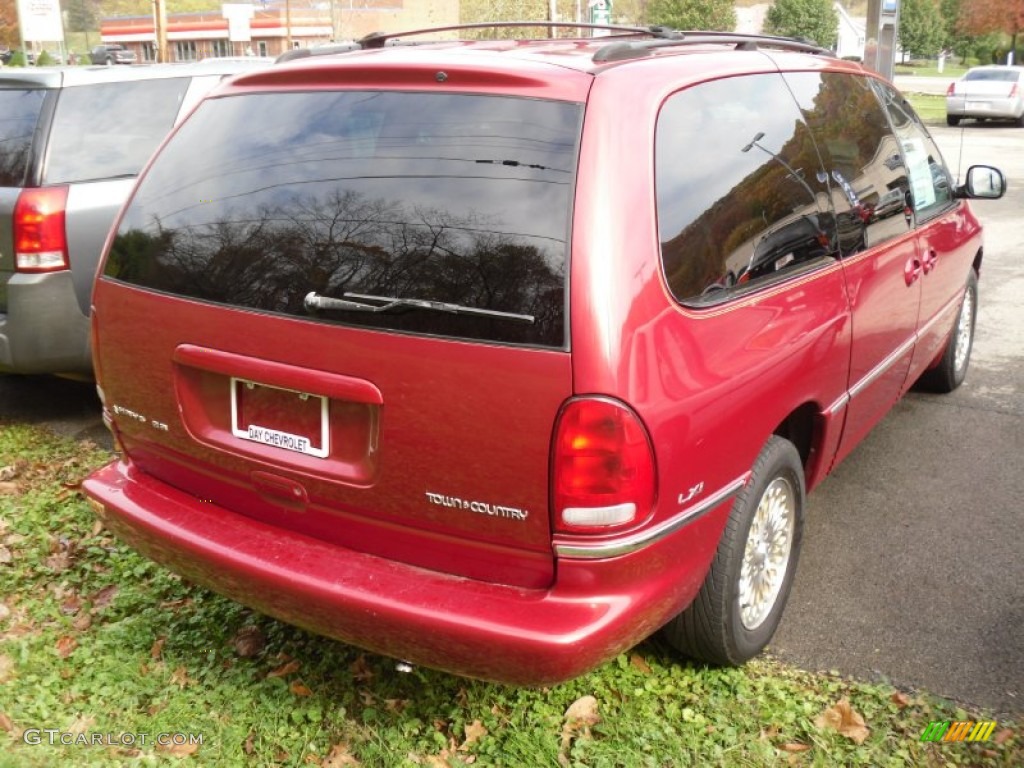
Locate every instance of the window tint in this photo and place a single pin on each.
(931, 186)
(996, 75)
(19, 113)
(109, 130)
(432, 197)
(870, 190)
(740, 191)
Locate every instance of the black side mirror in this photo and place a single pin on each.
(983, 183)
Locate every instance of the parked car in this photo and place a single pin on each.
(112, 54)
(455, 362)
(61, 185)
(993, 92)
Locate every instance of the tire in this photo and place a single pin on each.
(956, 357)
(722, 626)
(952, 120)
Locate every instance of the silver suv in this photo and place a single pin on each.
(71, 144)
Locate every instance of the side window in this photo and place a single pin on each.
(140, 113)
(931, 186)
(741, 195)
(20, 112)
(869, 185)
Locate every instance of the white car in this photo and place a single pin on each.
(993, 92)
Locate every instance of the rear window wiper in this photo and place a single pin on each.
(357, 302)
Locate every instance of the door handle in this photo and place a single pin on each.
(912, 270)
(928, 261)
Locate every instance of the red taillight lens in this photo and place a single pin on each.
(1014, 91)
(40, 241)
(603, 473)
(951, 90)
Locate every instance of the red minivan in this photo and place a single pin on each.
(500, 356)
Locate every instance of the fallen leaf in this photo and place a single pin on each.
(396, 705)
(158, 648)
(5, 612)
(640, 663)
(97, 527)
(173, 605)
(249, 642)
(82, 623)
(299, 689)
(900, 699)
(474, 732)
(339, 757)
(180, 678)
(71, 606)
(66, 646)
(368, 698)
(311, 759)
(8, 487)
(990, 753)
(102, 598)
(59, 561)
(6, 668)
(5, 556)
(178, 750)
(285, 669)
(5, 722)
(360, 670)
(844, 719)
(795, 746)
(580, 715)
(769, 733)
(999, 738)
(249, 746)
(81, 725)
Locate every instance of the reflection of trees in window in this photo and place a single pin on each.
(344, 242)
(19, 113)
(772, 217)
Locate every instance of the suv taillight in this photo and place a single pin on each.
(40, 242)
(603, 472)
(951, 90)
(1013, 91)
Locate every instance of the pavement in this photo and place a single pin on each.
(912, 568)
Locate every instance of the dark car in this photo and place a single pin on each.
(434, 348)
(111, 54)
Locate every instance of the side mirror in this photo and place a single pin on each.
(983, 182)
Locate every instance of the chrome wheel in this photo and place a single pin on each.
(964, 330)
(767, 553)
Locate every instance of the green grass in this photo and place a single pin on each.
(931, 108)
(95, 640)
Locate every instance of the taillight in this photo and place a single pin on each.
(1014, 91)
(40, 242)
(951, 90)
(603, 473)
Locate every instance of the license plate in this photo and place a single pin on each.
(282, 418)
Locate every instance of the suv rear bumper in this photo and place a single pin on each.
(44, 331)
(595, 610)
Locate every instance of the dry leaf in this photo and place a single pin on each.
(285, 669)
(580, 715)
(474, 732)
(299, 689)
(845, 720)
(158, 648)
(174, 605)
(396, 705)
(1002, 736)
(6, 668)
(180, 678)
(900, 699)
(5, 612)
(795, 746)
(178, 750)
(103, 597)
(249, 642)
(66, 646)
(249, 746)
(360, 670)
(6, 486)
(5, 556)
(81, 725)
(71, 606)
(640, 663)
(5, 722)
(339, 757)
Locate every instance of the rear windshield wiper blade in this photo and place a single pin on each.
(356, 302)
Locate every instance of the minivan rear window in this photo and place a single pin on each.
(19, 113)
(441, 214)
(109, 130)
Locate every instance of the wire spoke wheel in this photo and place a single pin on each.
(767, 553)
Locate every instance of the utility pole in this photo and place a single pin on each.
(288, 24)
(160, 26)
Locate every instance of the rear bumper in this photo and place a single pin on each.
(44, 330)
(997, 109)
(595, 610)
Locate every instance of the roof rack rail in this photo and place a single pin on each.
(379, 39)
(623, 50)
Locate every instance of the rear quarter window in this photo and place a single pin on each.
(19, 114)
(428, 197)
(110, 130)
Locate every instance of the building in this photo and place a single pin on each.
(194, 36)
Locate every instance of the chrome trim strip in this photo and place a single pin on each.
(890, 360)
(647, 537)
(839, 404)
